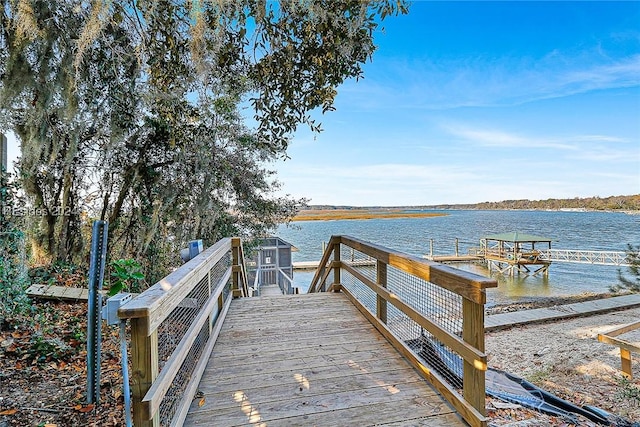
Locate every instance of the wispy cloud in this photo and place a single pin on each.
(482, 81)
(483, 137)
(586, 147)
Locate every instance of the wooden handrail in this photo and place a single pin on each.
(148, 310)
(466, 284)
(320, 276)
(157, 302)
(471, 287)
(626, 348)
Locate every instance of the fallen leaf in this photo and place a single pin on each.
(8, 412)
(201, 402)
(84, 409)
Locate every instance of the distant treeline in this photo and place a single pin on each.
(613, 203)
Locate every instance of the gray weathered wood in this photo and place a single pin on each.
(506, 320)
(340, 371)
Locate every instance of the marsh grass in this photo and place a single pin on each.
(359, 214)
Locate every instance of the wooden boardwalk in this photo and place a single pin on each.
(270, 290)
(310, 359)
(587, 308)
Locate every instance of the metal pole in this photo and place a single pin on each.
(4, 162)
(94, 321)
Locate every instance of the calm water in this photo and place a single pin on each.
(569, 230)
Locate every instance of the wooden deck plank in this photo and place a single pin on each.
(388, 414)
(273, 315)
(393, 381)
(331, 355)
(246, 410)
(327, 367)
(58, 292)
(263, 335)
(247, 327)
(270, 291)
(306, 339)
(282, 372)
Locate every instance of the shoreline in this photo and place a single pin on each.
(364, 213)
(359, 214)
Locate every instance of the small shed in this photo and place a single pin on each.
(272, 265)
(517, 252)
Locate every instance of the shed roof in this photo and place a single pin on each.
(517, 237)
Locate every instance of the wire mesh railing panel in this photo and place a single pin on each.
(365, 264)
(174, 327)
(175, 394)
(362, 292)
(438, 304)
(218, 271)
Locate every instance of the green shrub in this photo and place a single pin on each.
(126, 275)
(631, 282)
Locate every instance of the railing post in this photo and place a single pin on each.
(144, 363)
(473, 334)
(235, 254)
(336, 270)
(381, 279)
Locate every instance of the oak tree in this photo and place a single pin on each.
(136, 112)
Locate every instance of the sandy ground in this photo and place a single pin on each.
(566, 358)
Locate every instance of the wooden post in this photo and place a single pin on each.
(144, 364)
(456, 246)
(336, 270)
(625, 358)
(431, 248)
(235, 255)
(473, 334)
(381, 279)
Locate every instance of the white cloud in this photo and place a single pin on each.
(498, 138)
(483, 81)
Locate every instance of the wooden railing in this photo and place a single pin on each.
(626, 347)
(174, 325)
(411, 300)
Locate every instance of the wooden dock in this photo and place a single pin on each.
(270, 291)
(59, 292)
(310, 359)
(454, 258)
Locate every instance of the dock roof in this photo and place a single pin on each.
(517, 237)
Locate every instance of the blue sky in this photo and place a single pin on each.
(466, 102)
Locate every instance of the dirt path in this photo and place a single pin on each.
(566, 358)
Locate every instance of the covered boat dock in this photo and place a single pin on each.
(516, 252)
